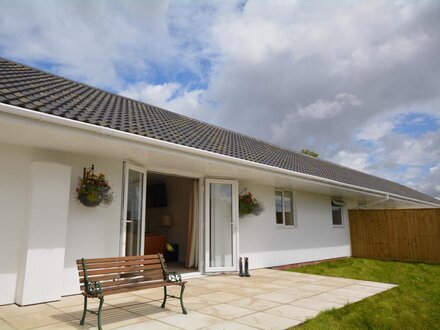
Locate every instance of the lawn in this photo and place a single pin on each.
(414, 304)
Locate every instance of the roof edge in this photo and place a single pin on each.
(44, 117)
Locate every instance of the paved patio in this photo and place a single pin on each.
(270, 299)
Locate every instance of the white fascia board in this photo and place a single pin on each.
(110, 132)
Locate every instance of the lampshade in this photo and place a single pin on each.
(167, 220)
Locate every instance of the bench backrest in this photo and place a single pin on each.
(118, 271)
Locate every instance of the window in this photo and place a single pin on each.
(337, 215)
(284, 208)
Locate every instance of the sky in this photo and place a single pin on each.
(356, 81)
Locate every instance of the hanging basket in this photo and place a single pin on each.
(248, 204)
(85, 200)
(94, 190)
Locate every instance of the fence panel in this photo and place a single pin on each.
(404, 235)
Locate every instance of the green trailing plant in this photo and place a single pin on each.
(94, 190)
(248, 204)
(310, 153)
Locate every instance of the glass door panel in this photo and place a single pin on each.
(134, 211)
(221, 225)
(288, 209)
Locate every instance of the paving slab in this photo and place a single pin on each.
(263, 320)
(254, 303)
(317, 304)
(195, 321)
(226, 311)
(294, 312)
(269, 299)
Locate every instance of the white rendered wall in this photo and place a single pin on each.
(42, 257)
(91, 232)
(13, 186)
(94, 232)
(313, 238)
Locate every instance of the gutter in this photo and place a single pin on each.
(366, 206)
(110, 132)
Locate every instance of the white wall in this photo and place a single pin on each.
(91, 232)
(313, 237)
(44, 236)
(13, 187)
(94, 232)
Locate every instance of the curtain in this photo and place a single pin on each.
(192, 251)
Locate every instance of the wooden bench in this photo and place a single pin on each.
(105, 276)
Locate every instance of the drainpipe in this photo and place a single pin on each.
(366, 206)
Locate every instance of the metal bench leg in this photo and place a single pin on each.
(164, 297)
(84, 312)
(182, 288)
(101, 302)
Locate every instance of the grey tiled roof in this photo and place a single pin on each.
(36, 90)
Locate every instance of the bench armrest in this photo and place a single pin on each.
(173, 277)
(169, 276)
(93, 288)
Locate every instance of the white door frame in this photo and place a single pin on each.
(234, 224)
(126, 167)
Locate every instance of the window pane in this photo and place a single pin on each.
(337, 215)
(279, 206)
(288, 209)
(221, 231)
(134, 213)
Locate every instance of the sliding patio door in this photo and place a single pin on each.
(133, 213)
(221, 225)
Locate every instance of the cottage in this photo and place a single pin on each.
(175, 185)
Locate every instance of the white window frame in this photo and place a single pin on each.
(234, 224)
(123, 227)
(342, 225)
(295, 218)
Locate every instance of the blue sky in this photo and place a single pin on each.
(355, 81)
(416, 124)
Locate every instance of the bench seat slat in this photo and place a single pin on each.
(112, 259)
(129, 288)
(91, 266)
(128, 284)
(106, 277)
(151, 276)
(120, 270)
(123, 281)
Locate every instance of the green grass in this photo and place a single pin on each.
(414, 304)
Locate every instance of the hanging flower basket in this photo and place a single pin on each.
(247, 204)
(94, 190)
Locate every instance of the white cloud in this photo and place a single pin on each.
(254, 39)
(190, 103)
(157, 95)
(358, 161)
(170, 96)
(430, 183)
(318, 110)
(373, 131)
(414, 151)
(99, 42)
(411, 173)
(326, 109)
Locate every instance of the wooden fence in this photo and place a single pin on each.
(403, 235)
